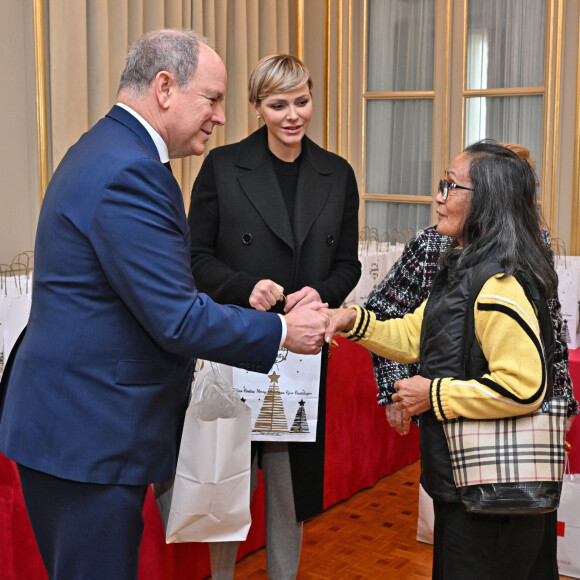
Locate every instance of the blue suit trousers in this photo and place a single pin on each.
(84, 531)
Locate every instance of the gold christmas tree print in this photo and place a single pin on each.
(272, 416)
(300, 424)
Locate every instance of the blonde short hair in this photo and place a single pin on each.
(277, 73)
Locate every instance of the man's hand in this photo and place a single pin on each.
(265, 294)
(339, 320)
(305, 328)
(301, 298)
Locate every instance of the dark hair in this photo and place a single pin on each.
(171, 50)
(503, 220)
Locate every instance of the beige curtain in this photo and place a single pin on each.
(88, 41)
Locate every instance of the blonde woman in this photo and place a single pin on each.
(274, 222)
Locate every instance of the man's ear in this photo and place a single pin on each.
(165, 86)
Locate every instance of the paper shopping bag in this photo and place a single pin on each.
(210, 496)
(569, 294)
(283, 403)
(15, 302)
(374, 267)
(426, 517)
(569, 526)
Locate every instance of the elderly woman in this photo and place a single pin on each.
(406, 286)
(487, 204)
(274, 226)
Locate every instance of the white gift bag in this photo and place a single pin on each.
(426, 517)
(14, 315)
(568, 271)
(15, 302)
(374, 267)
(210, 497)
(569, 526)
(283, 403)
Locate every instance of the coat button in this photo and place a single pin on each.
(330, 239)
(247, 239)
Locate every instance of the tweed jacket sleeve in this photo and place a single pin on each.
(562, 381)
(405, 287)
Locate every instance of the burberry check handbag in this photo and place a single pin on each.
(510, 466)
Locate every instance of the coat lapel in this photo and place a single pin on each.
(261, 186)
(313, 190)
(312, 195)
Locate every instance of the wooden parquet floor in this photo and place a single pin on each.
(372, 535)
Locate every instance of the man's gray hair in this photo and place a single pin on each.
(174, 51)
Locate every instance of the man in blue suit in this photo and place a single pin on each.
(94, 394)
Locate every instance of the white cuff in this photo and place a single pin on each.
(284, 330)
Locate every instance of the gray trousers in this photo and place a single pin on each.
(283, 532)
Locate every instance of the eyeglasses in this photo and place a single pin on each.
(445, 186)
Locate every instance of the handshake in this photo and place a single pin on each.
(311, 325)
(309, 321)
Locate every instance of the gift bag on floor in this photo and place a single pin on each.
(426, 517)
(209, 500)
(568, 271)
(569, 526)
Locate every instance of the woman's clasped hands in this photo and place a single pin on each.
(266, 293)
(413, 396)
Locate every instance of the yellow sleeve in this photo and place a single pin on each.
(507, 329)
(396, 339)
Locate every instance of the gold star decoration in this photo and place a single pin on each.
(274, 377)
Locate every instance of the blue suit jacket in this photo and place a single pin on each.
(97, 387)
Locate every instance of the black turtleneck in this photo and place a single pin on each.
(287, 175)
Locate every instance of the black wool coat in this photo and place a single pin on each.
(241, 234)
